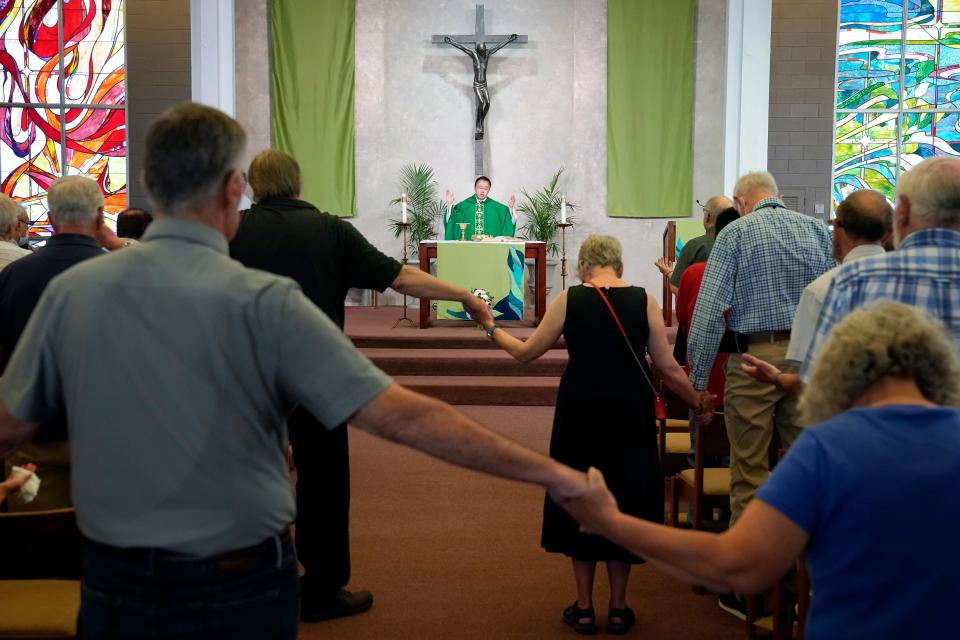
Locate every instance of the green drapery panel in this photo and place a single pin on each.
(312, 85)
(650, 72)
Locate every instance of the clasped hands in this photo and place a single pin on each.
(479, 311)
(703, 413)
(594, 507)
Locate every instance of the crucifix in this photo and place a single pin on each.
(480, 56)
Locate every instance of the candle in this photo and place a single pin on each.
(403, 208)
(563, 209)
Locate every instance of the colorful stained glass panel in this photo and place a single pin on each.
(865, 154)
(928, 135)
(92, 63)
(869, 54)
(30, 159)
(94, 53)
(97, 148)
(932, 58)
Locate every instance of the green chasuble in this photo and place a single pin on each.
(496, 219)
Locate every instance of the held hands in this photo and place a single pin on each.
(512, 200)
(568, 485)
(703, 412)
(760, 370)
(595, 507)
(665, 267)
(449, 197)
(479, 311)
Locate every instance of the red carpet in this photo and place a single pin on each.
(455, 361)
(450, 553)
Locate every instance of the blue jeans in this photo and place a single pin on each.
(151, 593)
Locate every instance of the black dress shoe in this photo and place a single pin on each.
(344, 603)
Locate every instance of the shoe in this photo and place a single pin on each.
(734, 604)
(619, 621)
(344, 603)
(574, 615)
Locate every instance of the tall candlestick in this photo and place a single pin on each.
(403, 208)
(563, 209)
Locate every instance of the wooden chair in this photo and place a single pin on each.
(703, 487)
(790, 604)
(673, 441)
(39, 574)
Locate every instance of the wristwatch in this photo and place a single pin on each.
(491, 330)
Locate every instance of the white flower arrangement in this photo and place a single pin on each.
(484, 295)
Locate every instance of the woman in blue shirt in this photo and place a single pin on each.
(868, 494)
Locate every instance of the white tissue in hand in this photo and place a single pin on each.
(30, 488)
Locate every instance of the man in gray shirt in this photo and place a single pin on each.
(696, 249)
(180, 483)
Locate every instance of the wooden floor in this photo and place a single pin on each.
(449, 553)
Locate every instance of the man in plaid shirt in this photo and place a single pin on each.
(924, 271)
(759, 266)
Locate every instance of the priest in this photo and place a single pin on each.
(484, 216)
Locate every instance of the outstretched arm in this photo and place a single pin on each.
(542, 339)
(747, 558)
(501, 45)
(467, 50)
(437, 429)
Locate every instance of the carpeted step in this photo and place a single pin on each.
(432, 339)
(464, 362)
(486, 390)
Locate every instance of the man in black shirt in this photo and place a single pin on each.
(326, 256)
(76, 213)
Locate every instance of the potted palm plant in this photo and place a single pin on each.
(424, 206)
(541, 210)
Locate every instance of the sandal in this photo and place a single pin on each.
(619, 621)
(574, 616)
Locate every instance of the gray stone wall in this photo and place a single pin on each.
(158, 73)
(802, 75)
(252, 60)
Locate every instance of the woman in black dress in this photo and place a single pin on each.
(605, 414)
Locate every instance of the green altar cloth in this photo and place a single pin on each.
(496, 219)
(496, 267)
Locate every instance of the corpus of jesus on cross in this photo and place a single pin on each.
(480, 56)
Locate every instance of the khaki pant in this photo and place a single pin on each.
(53, 469)
(752, 410)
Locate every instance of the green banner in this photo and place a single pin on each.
(312, 82)
(650, 75)
(496, 267)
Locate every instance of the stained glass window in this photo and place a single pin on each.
(62, 100)
(898, 90)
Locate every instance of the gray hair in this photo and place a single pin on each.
(884, 340)
(189, 150)
(715, 205)
(10, 211)
(756, 182)
(601, 251)
(933, 188)
(74, 200)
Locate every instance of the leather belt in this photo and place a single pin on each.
(768, 336)
(236, 560)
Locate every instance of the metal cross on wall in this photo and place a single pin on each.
(480, 56)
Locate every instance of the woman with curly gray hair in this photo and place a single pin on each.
(868, 493)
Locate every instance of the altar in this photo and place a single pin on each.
(483, 265)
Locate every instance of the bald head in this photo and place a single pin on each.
(712, 209)
(865, 216)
